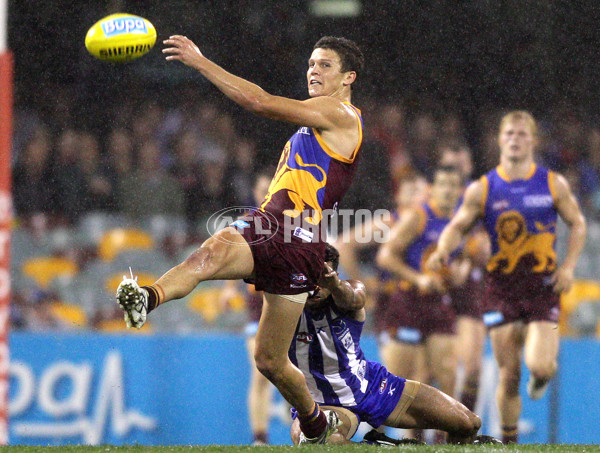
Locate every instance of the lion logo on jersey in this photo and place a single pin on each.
(302, 181)
(515, 242)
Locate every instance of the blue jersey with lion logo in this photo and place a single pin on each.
(310, 179)
(520, 218)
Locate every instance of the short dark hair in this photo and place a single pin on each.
(332, 256)
(446, 169)
(351, 56)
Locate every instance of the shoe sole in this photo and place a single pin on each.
(130, 299)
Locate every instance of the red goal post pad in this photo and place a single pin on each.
(6, 107)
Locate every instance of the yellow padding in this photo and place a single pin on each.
(118, 326)
(206, 303)
(581, 291)
(69, 314)
(45, 269)
(117, 240)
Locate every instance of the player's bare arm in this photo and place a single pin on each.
(461, 223)
(326, 112)
(348, 295)
(569, 211)
(390, 255)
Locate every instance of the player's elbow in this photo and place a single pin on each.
(259, 103)
(581, 223)
(360, 297)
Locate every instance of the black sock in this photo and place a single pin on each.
(510, 435)
(261, 436)
(153, 301)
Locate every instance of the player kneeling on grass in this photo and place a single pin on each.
(326, 348)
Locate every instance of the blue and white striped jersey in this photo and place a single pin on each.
(326, 348)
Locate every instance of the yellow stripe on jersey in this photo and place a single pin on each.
(502, 173)
(552, 185)
(301, 187)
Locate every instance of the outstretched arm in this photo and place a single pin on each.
(348, 295)
(323, 112)
(569, 211)
(459, 226)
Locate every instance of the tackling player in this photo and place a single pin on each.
(327, 349)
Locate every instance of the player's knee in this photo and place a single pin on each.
(543, 372)
(475, 421)
(204, 261)
(467, 424)
(268, 365)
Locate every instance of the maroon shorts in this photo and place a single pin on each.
(527, 299)
(412, 317)
(386, 288)
(279, 267)
(467, 300)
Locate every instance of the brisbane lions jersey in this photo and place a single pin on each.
(520, 218)
(310, 179)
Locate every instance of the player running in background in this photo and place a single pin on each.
(279, 247)
(327, 349)
(467, 300)
(413, 191)
(420, 319)
(519, 202)
(260, 390)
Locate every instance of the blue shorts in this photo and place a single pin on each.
(382, 395)
(381, 398)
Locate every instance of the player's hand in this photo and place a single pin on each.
(430, 284)
(437, 261)
(459, 272)
(329, 278)
(562, 279)
(183, 49)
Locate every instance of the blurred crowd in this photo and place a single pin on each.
(153, 161)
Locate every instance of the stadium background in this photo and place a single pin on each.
(445, 70)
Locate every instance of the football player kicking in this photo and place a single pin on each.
(326, 348)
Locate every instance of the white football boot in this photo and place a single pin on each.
(133, 300)
(333, 423)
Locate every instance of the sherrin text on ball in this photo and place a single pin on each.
(120, 37)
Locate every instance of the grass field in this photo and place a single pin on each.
(558, 448)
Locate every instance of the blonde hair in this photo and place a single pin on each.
(520, 115)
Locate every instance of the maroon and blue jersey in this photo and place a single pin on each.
(310, 179)
(520, 217)
(431, 225)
